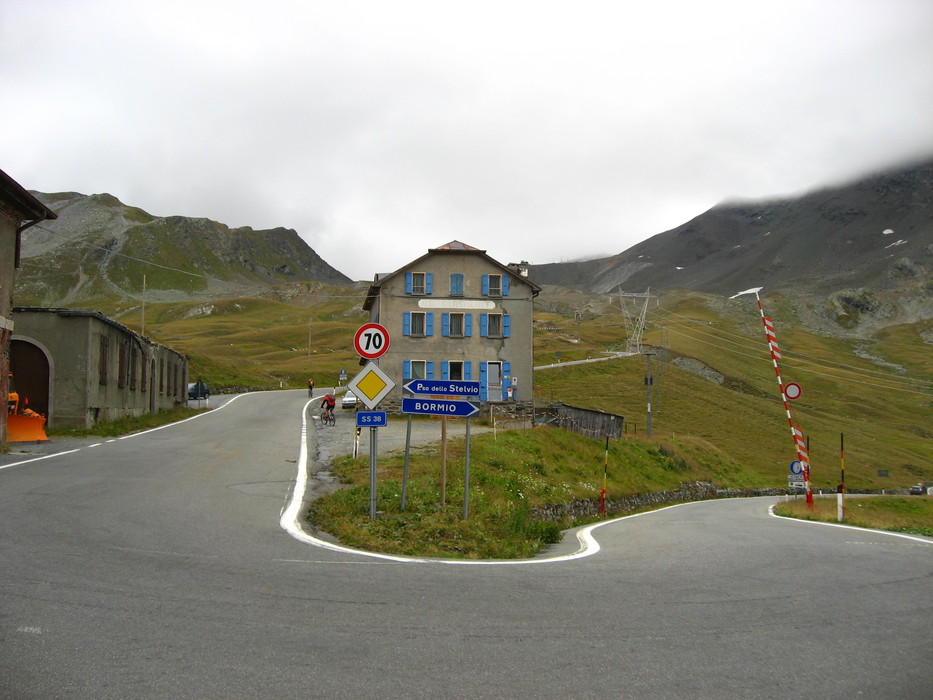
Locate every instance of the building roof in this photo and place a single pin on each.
(448, 248)
(23, 207)
(26, 206)
(97, 315)
(455, 246)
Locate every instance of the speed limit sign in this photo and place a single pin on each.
(371, 341)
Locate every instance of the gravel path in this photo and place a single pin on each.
(326, 443)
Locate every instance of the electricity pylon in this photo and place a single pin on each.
(634, 318)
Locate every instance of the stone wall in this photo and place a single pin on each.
(696, 491)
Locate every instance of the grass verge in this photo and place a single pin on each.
(125, 426)
(511, 474)
(909, 514)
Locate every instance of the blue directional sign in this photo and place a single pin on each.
(439, 407)
(371, 419)
(443, 387)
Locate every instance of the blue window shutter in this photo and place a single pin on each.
(456, 283)
(429, 323)
(506, 372)
(468, 370)
(506, 325)
(406, 369)
(468, 325)
(406, 323)
(505, 285)
(429, 370)
(485, 285)
(483, 325)
(445, 370)
(483, 382)
(428, 282)
(445, 324)
(408, 283)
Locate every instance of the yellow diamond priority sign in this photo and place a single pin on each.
(371, 385)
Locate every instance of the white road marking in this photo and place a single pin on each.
(915, 538)
(37, 459)
(124, 437)
(290, 522)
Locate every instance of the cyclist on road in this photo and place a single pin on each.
(310, 387)
(328, 405)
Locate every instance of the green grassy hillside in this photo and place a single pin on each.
(715, 390)
(882, 410)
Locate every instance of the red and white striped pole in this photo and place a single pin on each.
(800, 443)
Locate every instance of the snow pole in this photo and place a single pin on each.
(800, 444)
(602, 494)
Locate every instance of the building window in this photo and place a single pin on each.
(493, 374)
(418, 283)
(494, 381)
(457, 325)
(457, 370)
(495, 286)
(121, 368)
(456, 284)
(417, 369)
(144, 374)
(102, 361)
(418, 324)
(134, 361)
(495, 325)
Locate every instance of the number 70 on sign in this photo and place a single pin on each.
(371, 341)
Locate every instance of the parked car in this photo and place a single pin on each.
(917, 490)
(349, 400)
(198, 390)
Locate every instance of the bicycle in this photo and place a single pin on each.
(327, 417)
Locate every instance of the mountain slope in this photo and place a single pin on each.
(100, 247)
(876, 233)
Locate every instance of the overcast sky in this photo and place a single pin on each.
(538, 131)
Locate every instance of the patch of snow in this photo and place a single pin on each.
(898, 242)
(887, 231)
(678, 267)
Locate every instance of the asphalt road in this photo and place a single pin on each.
(162, 566)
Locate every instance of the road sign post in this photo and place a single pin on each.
(371, 341)
(371, 419)
(439, 407)
(444, 387)
(371, 385)
(445, 408)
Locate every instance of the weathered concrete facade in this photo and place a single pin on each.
(18, 211)
(80, 367)
(457, 314)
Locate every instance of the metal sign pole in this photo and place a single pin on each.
(443, 461)
(373, 432)
(466, 474)
(405, 468)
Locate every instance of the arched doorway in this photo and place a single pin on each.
(30, 368)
